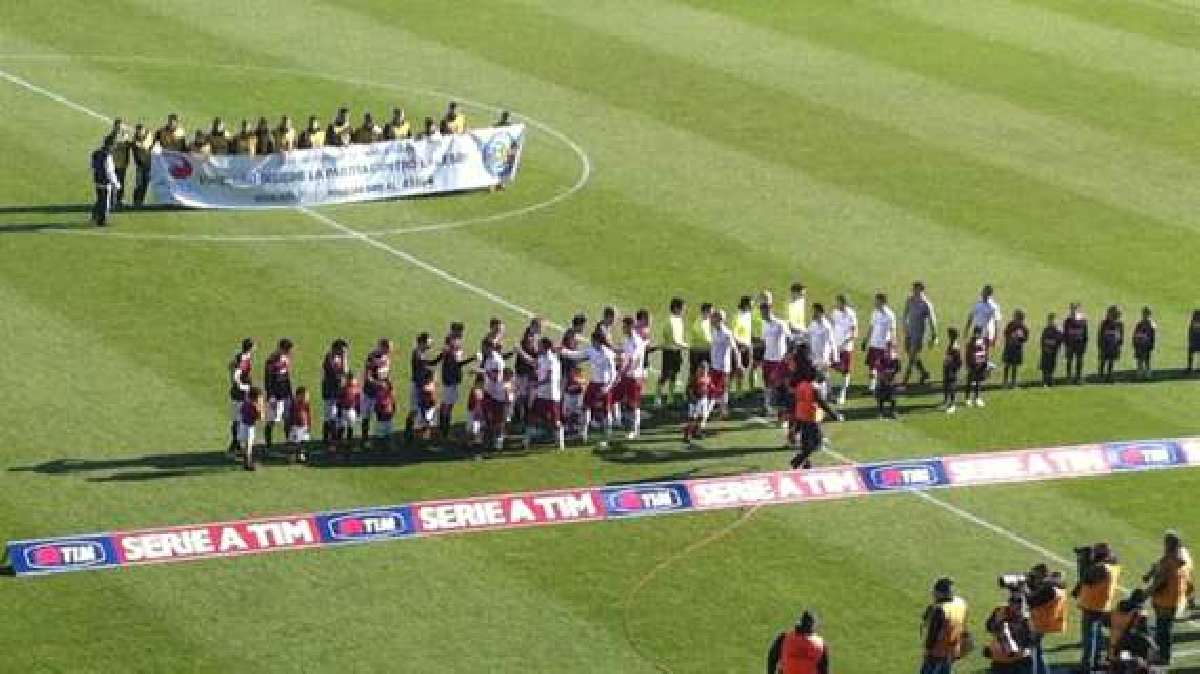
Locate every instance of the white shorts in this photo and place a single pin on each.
(449, 395)
(426, 417)
(347, 418)
(298, 434)
(245, 435)
(276, 410)
(699, 408)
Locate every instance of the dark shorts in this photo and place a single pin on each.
(547, 411)
(1110, 352)
(629, 391)
(977, 372)
(1048, 362)
(1014, 355)
(949, 375)
(759, 351)
(1075, 349)
(1194, 346)
(744, 354)
(1142, 352)
(874, 355)
(672, 361)
(810, 435)
(697, 356)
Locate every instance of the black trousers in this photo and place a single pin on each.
(119, 193)
(143, 182)
(103, 204)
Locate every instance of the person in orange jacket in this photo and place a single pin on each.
(799, 650)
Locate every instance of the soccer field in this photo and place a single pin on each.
(700, 148)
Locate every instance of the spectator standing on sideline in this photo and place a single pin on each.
(104, 176)
(986, 315)
(918, 314)
(122, 142)
(1075, 340)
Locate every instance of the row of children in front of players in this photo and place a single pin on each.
(733, 348)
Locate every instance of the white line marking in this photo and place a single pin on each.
(416, 262)
(352, 233)
(971, 517)
(52, 96)
(580, 182)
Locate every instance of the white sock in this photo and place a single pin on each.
(615, 414)
(587, 423)
(637, 420)
(845, 385)
(562, 441)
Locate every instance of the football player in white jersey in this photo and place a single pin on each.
(725, 360)
(496, 392)
(598, 396)
(633, 372)
(547, 395)
(776, 335)
(821, 347)
(882, 332)
(845, 332)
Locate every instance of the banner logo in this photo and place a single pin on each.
(499, 153)
(1143, 455)
(179, 167)
(365, 525)
(65, 555)
(908, 475)
(646, 500)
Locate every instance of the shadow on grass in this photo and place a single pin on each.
(47, 208)
(148, 467)
(31, 227)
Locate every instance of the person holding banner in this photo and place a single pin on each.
(171, 136)
(338, 133)
(200, 144)
(104, 175)
(246, 141)
(284, 136)
(143, 142)
(369, 132)
(455, 121)
(122, 142)
(398, 128)
(312, 137)
(220, 140)
(264, 138)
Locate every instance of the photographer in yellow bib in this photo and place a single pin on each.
(1170, 583)
(945, 628)
(1099, 576)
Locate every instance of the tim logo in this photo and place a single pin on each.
(367, 525)
(646, 500)
(1142, 455)
(65, 555)
(903, 476)
(499, 153)
(179, 167)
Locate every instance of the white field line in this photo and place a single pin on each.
(407, 257)
(971, 517)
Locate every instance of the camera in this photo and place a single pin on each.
(1014, 582)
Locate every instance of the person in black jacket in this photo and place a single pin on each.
(1075, 339)
(104, 176)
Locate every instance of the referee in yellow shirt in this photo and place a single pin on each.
(673, 345)
(796, 309)
(700, 339)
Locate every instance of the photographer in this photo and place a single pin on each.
(1099, 574)
(1047, 600)
(1011, 636)
(1131, 650)
(1168, 579)
(945, 627)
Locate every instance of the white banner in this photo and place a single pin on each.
(473, 160)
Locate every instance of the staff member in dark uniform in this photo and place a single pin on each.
(1111, 338)
(1075, 339)
(104, 175)
(121, 141)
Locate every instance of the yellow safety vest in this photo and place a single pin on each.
(1099, 596)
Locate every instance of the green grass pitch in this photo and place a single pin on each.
(1046, 146)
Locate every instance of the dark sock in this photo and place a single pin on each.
(268, 432)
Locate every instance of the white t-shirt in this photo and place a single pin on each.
(986, 314)
(845, 328)
(603, 364)
(635, 355)
(820, 341)
(549, 376)
(721, 352)
(493, 380)
(775, 339)
(883, 327)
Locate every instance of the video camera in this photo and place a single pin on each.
(1014, 582)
